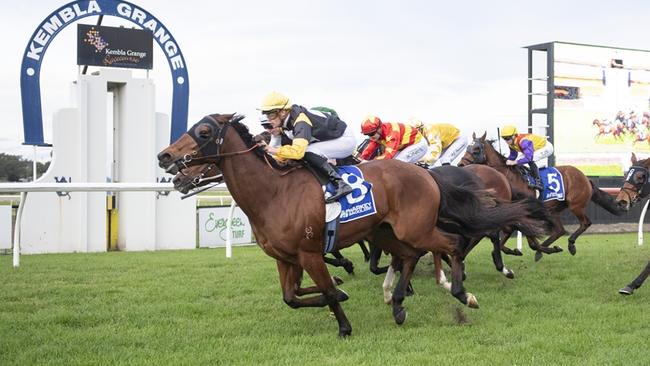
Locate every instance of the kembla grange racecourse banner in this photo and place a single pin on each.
(114, 47)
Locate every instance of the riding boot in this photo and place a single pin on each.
(320, 163)
(534, 170)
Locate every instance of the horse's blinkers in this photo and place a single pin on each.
(642, 186)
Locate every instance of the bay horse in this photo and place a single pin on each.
(636, 187)
(579, 190)
(289, 223)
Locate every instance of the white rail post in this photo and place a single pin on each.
(641, 219)
(229, 230)
(19, 214)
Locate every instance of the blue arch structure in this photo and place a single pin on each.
(30, 70)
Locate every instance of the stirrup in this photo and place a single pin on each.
(342, 191)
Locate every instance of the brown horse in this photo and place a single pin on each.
(290, 225)
(579, 190)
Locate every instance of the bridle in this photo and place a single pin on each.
(211, 147)
(478, 155)
(639, 189)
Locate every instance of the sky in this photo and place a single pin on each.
(460, 62)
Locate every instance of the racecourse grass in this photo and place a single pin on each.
(199, 308)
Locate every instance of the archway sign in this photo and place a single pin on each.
(67, 14)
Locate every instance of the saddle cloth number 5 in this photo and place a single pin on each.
(553, 182)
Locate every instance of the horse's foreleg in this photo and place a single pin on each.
(364, 249)
(629, 289)
(290, 279)
(340, 261)
(315, 266)
(375, 255)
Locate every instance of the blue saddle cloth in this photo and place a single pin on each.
(360, 203)
(553, 184)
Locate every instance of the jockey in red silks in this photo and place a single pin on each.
(401, 141)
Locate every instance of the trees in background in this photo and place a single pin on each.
(14, 168)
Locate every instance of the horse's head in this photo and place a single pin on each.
(636, 185)
(197, 176)
(199, 145)
(475, 153)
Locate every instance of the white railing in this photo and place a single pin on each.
(25, 188)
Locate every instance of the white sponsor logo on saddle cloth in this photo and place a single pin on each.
(360, 203)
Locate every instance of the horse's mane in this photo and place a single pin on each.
(491, 144)
(246, 136)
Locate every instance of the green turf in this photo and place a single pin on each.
(199, 308)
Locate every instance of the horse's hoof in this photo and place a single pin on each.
(517, 252)
(558, 249)
(572, 249)
(510, 274)
(337, 280)
(349, 268)
(345, 332)
(341, 295)
(538, 256)
(471, 301)
(627, 290)
(400, 316)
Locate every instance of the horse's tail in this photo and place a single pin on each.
(475, 213)
(604, 200)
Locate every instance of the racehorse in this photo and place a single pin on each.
(635, 188)
(579, 190)
(289, 226)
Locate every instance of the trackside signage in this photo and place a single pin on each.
(114, 47)
(74, 11)
(212, 227)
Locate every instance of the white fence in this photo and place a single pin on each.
(25, 188)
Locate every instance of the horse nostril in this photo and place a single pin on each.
(164, 157)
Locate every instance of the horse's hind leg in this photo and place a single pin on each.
(315, 266)
(340, 261)
(584, 225)
(502, 244)
(364, 249)
(375, 255)
(558, 231)
(496, 256)
(399, 313)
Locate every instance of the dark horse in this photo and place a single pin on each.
(635, 188)
(579, 190)
(289, 225)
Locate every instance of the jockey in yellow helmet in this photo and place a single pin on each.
(533, 147)
(316, 136)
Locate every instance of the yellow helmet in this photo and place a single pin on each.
(275, 100)
(508, 130)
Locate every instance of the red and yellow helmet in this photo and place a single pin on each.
(370, 124)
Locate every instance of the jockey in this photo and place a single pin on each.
(402, 142)
(316, 137)
(446, 143)
(533, 147)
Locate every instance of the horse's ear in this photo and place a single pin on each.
(484, 135)
(473, 135)
(633, 159)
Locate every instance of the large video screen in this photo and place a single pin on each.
(602, 107)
